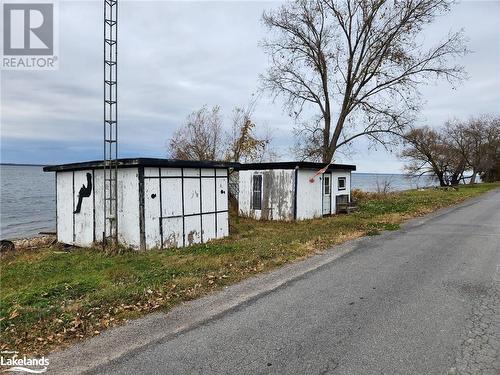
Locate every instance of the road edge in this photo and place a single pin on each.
(135, 335)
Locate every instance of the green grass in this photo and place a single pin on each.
(49, 298)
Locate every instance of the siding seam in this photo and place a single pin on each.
(142, 219)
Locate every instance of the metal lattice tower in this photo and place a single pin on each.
(110, 122)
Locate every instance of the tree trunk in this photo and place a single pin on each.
(455, 179)
(440, 177)
(473, 178)
(326, 155)
(332, 144)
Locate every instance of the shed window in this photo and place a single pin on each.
(257, 192)
(327, 187)
(341, 183)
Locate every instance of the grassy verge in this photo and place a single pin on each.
(50, 298)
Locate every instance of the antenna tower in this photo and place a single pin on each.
(110, 123)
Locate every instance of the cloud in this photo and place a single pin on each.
(175, 57)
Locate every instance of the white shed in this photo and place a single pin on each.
(284, 191)
(161, 202)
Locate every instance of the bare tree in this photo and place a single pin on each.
(490, 169)
(477, 139)
(429, 153)
(242, 142)
(358, 63)
(203, 137)
(308, 142)
(200, 137)
(492, 173)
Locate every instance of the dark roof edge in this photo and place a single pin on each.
(294, 165)
(144, 162)
(176, 163)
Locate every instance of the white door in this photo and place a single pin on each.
(327, 193)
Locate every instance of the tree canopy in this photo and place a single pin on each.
(449, 152)
(203, 137)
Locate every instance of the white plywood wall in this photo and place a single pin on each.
(128, 207)
(184, 206)
(309, 195)
(65, 202)
(277, 194)
(191, 205)
(86, 227)
(84, 220)
(245, 195)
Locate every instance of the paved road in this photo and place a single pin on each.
(422, 300)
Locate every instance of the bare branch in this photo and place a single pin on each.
(356, 59)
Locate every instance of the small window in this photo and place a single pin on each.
(341, 183)
(257, 192)
(327, 185)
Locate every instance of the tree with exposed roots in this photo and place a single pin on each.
(357, 64)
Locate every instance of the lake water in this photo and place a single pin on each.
(27, 201)
(27, 197)
(394, 182)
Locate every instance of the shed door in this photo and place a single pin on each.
(327, 194)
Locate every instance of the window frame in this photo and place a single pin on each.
(256, 177)
(325, 178)
(344, 179)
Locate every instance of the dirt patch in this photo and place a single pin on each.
(34, 243)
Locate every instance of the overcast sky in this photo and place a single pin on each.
(175, 57)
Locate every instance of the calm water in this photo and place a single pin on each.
(27, 201)
(394, 182)
(27, 197)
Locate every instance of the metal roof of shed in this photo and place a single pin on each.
(143, 162)
(294, 165)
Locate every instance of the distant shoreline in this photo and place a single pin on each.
(385, 174)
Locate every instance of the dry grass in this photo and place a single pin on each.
(50, 299)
